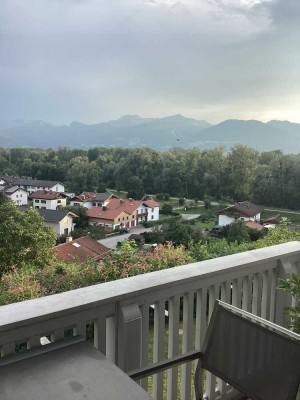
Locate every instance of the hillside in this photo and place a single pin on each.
(157, 133)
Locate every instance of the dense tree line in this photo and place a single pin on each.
(268, 178)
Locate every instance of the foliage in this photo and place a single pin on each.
(292, 286)
(237, 232)
(24, 239)
(81, 212)
(269, 178)
(28, 283)
(181, 201)
(166, 209)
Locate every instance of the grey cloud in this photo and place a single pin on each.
(93, 60)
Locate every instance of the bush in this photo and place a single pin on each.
(166, 209)
(181, 201)
(292, 286)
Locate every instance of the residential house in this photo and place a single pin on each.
(92, 199)
(81, 249)
(17, 195)
(62, 222)
(153, 210)
(32, 185)
(49, 200)
(140, 210)
(244, 211)
(111, 219)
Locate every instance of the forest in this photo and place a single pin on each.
(266, 178)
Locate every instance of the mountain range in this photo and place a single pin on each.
(157, 133)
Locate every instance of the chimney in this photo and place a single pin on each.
(104, 208)
(121, 201)
(69, 239)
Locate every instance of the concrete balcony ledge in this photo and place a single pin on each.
(120, 290)
(125, 313)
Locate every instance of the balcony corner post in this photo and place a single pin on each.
(129, 337)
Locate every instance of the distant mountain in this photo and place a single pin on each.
(256, 134)
(157, 133)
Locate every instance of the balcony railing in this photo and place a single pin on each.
(148, 318)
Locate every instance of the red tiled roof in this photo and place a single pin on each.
(151, 203)
(81, 249)
(47, 195)
(254, 225)
(98, 212)
(129, 206)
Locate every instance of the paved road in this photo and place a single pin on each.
(188, 217)
(112, 241)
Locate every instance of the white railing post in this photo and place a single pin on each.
(129, 337)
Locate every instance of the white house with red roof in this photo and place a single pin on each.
(244, 211)
(111, 219)
(48, 200)
(92, 199)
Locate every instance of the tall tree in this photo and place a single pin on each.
(24, 239)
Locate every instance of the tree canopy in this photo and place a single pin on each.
(24, 239)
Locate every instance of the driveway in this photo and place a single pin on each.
(188, 217)
(111, 242)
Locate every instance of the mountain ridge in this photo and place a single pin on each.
(158, 133)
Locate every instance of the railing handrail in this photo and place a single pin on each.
(36, 310)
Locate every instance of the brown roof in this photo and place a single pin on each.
(244, 209)
(47, 195)
(254, 225)
(98, 212)
(151, 203)
(81, 249)
(129, 206)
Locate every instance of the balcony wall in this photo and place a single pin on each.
(171, 306)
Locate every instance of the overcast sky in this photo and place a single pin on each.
(96, 60)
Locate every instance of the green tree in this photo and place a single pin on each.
(83, 175)
(135, 188)
(24, 239)
(237, 232)
(292, 286)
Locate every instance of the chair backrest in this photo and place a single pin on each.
(258, 358)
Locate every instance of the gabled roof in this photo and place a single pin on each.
(93, 196)
(81, 249)
(129, 206)
(12, 190)
(55, 215)
(47, 195)
(98, 212)
(28, 182)
(244, 209)
(151, 203)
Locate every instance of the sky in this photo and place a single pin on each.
(96, 60)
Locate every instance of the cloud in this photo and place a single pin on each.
(92, 60)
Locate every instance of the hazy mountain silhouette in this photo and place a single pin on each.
(158, 133)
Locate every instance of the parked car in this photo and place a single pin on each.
(124, 230)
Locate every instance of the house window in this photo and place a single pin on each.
(17, 195)
(119, 219)
(66, 231)
(36, 201)
(44, 208)
(127, 217)
(21, 195)
(152, 217)
(58, 201)
(37, 207)
(152, 209)
(43, 201)
(94, 204)
(57, 188)
(132, 216)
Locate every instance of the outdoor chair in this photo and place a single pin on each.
(258, 358)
